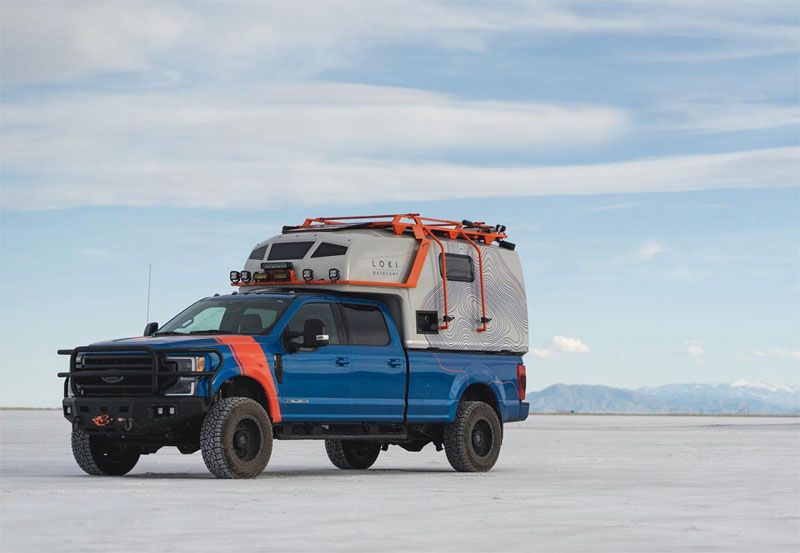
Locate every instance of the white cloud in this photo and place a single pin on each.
(776, 353)
(690, 348)
(611, 207)
(312, 144)
(46, 41)
(560, 345)
(709, 117)
(58, 40)
(648, 251)
(693, 348)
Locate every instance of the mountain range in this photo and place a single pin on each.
(740, 397)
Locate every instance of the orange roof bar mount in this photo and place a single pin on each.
(401, 222)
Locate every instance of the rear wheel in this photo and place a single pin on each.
(352, 454)
(102, 456)
(236, 438)
(472, 441)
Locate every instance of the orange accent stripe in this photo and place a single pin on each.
(253, 363)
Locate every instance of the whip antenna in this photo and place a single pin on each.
(149, 278)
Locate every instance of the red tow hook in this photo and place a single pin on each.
(101, 420)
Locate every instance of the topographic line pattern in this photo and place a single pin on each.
(505, 305)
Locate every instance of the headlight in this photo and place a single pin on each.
(186, 385)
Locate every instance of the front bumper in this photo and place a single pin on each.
(135, 416)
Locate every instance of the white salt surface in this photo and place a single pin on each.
(563, 483)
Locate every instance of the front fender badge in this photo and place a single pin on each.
(101, 420)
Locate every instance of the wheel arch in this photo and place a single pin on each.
(482, 391)
(245, 386)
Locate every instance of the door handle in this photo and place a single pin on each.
(342, 362)
(395, 363)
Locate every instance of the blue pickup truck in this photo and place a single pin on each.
(292, 359)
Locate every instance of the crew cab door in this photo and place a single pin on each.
(316, 381)
(378, 363)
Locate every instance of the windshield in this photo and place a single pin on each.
(252, 316)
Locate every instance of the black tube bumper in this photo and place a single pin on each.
(134, 416)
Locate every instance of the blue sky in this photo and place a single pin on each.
(644, 156)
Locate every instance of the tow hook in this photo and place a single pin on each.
(102, 420)
(127, 424)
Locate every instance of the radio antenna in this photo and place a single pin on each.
(149, 279)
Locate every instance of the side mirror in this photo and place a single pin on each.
(150, 329)
(314, 334)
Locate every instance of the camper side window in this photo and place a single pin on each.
(258, 253)
(289, 250)
(459, 267)
(326, 249)
(365, 325)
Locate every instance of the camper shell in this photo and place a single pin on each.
(455, 286)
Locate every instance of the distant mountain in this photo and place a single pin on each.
(748, 398)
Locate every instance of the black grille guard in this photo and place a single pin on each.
(154, 373)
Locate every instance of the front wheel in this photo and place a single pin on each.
(472, 441)
(101, 455)
(352, 454)
(236, 438)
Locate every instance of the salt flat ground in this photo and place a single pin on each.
(563, 483)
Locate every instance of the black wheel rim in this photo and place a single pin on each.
(361, 450)
(115, 453)
(482, 438)
(246, 440)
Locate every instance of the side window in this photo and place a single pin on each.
(459, 267)
(255, 320)
(326, 249)
(321, 311)
(289, 250)
(258, 253)
(365, 325)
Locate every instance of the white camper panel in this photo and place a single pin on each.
(384, 257)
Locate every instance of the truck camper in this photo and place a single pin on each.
(363, 332)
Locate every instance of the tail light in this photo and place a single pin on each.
(522, 380)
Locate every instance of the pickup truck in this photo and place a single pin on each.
(232, 373)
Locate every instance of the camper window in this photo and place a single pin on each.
(326, 249)
(459, 267)
(258, 253)
(365, 325)
(289, 250)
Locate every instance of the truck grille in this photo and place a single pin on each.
(119, 383)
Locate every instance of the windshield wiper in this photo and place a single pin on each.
(211, 332)
(169, 333)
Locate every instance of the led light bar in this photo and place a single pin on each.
(277, 265)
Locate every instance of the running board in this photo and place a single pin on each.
(339, 432)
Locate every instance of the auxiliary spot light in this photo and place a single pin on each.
(333, 274)
(235, 276)
(308, 275)
(246, 276)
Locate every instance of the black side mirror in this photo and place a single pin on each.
(314, 334)
(150, 329)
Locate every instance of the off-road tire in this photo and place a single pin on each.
(236, 438)
(472, 441)
(102, 456)
(352, 454)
